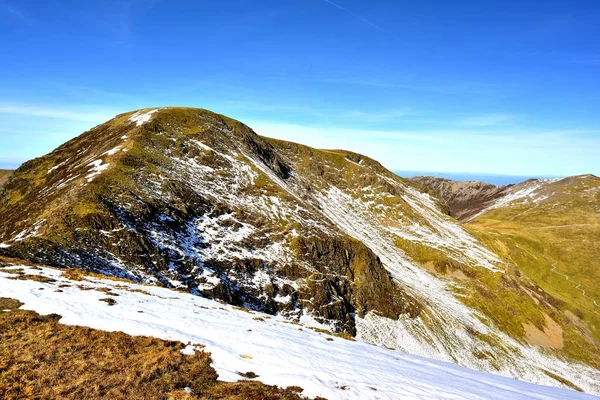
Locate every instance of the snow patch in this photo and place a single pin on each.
(141, 118)
(96, 169)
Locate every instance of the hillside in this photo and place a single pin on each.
(4, 175)
(195, 201)
(552, 234)
(550, 229)
(200, 339)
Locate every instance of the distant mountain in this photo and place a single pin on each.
(465, 199)
(4, 175)
(196, 201)
(494, 179)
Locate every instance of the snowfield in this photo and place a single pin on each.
(279, 352)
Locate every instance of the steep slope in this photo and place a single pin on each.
(241, 343)
(4, 175)
(193, 200)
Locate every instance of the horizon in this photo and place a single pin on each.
(509, 89)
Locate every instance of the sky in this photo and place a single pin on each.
(509, 87)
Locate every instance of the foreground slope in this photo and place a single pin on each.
(193, 200)
(244, 343)
(37, 350)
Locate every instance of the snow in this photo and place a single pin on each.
(279, 353)
(29, 232)
(96, 169)
(202, 145)
(4, 245)
(141, 118)
(112, 151)
(57, 166)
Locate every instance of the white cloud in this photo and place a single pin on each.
(511, 151)
(72, 114)
(487, 120)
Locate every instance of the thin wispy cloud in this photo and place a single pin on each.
(79, 92)
(117, 21)
(382, 116)
(447, 149)
(15, 12)
(366, 21)
(56, 113)
(385, 115)
(487, 120)
(255, 106)
(462, 87)
(581, 58)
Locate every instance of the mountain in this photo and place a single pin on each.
(464, 199)
(4, 175)
(195, 201)
(494, 179)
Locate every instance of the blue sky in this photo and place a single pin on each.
(509, 87)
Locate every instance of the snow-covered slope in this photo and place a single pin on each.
(278, 352)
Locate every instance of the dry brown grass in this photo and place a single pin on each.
(13, 270)
(37, 278)
(109, 301)
(74, 274)
(43, 359)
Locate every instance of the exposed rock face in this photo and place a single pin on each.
(190, 199)
(465, 199)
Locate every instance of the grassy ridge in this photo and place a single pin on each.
(555, 243)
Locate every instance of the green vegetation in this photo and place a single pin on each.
(550, 241)
(431, 258)
(498, 295)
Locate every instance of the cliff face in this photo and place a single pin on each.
(193, 200)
